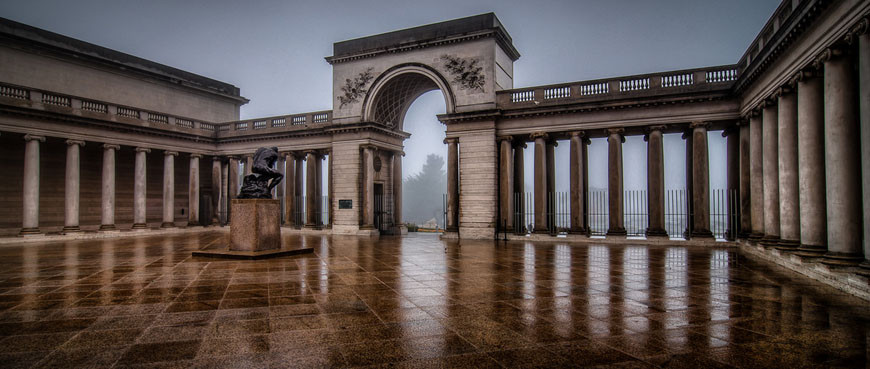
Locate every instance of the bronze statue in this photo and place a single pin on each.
(261, 181)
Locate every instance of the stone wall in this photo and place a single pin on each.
(347, 186)
(477, 184)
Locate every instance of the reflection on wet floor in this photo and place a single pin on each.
(418, 302)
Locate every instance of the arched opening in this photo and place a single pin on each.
(404, 99)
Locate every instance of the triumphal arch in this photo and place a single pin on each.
(96, 140)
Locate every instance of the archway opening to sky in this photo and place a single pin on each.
(424, 165)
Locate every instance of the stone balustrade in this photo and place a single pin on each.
(719, 78)
(269, 125)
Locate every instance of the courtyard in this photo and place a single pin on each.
(416, 301)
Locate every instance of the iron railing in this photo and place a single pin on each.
(300, 211)
(383, 208)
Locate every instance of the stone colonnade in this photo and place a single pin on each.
(373, 208)
(225, 184)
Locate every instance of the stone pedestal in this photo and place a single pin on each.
(255, 225)
(255, 232)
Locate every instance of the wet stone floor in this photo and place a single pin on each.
(416, 302)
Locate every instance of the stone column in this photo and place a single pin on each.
(169, 189)
(311, 189)
(541, 177)
(732, 136)
(551, 185)
(505, 184)
(72, 187)
(745, 187)
(452, 184)
(107, 222)
(290, 190)
(756, 177)
(216, 190)
(225, 194)
(690, 183)
(140, 203)
(330, 199)
(789, 193)
(615, 140)
(368, 186)
(770, 160)
(700, 181)
(863, 35)
(318, 189)
(397, 188)
(518, 199)
(842, 161)
(233, 180)
(577, 171)
(193, 191)
(655, 167)
(299, 218)
(279, 190)
(30, 196)
(249, 164)
(811, 165)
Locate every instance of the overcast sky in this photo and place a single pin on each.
(274, 50)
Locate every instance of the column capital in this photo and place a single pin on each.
(143, 149)
(782, 90)
(288, 155)
(246, 156)
(659, 127)
(71, 142)
(699, 124)
(232, 157)
(30, 137)
(111, 146)
(504, 138)
(451, 140)
(826, 56)
(580, 134)
(216, 158)
(730, 130)
(803, 75)
(170, 153)
(519, 143)
(195, 155)
(860, 28)
(616, 131)
(539, 134)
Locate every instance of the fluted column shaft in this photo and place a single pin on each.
(216, 193)
(452, 184)
(614, 182)
(745, 187)
(789, 193)
(30, 195)
(311, 189)
(505, 183)
(168, 189)
(700, 182)
(299, 188)
(107, 222)
(842, 162)
(864, 109)
(541, 177)
(732, 137)
(139, 186)
(369, 187)
(193, 191)
(811, 165)
(771, 175)
(655, 177)
(290, 190)
(72, 187)
(397, 188)
(756, 177)
(577, 171)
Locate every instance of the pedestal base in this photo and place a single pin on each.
(252, 255)
(255, 225)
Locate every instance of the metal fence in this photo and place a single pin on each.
(383, 208)
(677, 215)
(321, 211)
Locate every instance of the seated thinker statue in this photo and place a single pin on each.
(259, 184)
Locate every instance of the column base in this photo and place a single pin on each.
(864, 268)
(811, 251)
(140, 226)
(108, 228)
(743, 235)
(70, 229)
(578, 231)
(616, 232)
(755, 237)
(701, 233)
(362, 227)
(167, 225)
(842, 259)
(788, 245)
(656, 232)
(29, 231)
(769, 241)
(192, 224)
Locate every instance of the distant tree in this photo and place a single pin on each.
(422, 193)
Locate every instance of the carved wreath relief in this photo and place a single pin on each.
(465, 72)
(355, 88)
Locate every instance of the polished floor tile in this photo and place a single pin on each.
(416, 302)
